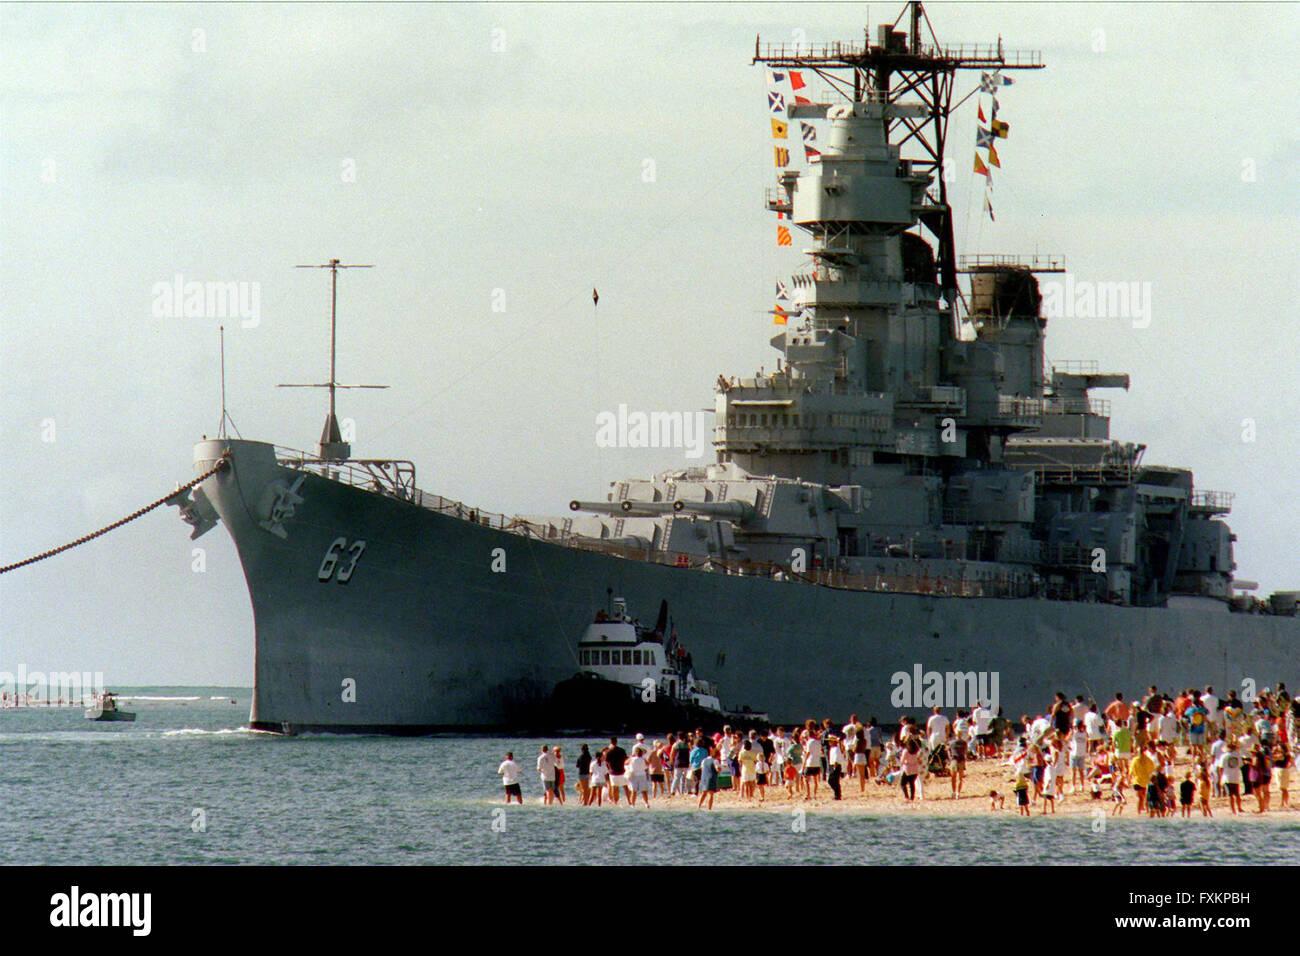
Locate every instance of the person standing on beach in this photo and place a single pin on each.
(708, 779)
(937, 729)
(1263, 778)
(1213, 714)
(1231, 763)
(1117, 711)
(812, 762)
(616, 762)
(1021, 789)
(1078, 756)
(1061, 712)
(957, 769)
(681, 751)
(698, 753)
(875, 744)
(559, 774)
(1196, 718)
(1141, 769)
(509, 772)
(910, 767)
(583, 766)
(748, 759)
(546, 770)
(1203, 786)
(1050, 780)
(599, 777)
(836, 764)
(638, 777)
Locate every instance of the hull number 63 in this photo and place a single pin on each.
(341, 560)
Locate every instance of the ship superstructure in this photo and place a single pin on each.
(914, 485)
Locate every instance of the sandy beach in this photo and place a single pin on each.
(934, 798)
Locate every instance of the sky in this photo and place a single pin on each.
(495, 162)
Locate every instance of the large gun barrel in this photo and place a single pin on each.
(599, 507)
(735, 510)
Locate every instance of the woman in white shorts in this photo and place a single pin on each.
(638, 776)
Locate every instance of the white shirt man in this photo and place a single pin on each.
(937, 729)
(983, 718)
(1231, 762)
(1168, 728)
(546, 766)
(1095, 725)
(812, 753)
(961, 727)
(509, 772)
(1040, 726)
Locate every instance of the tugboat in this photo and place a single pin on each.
(632, 678)
(105, 708)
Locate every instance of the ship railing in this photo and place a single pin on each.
(1097, 474)
(391, 476)
(1077, 367)
(1020, 409)
(1079, 406)
(1032, 263)
(356, 474)
(777, 199)
(1212, 502)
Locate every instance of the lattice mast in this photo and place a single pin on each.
(906, 64)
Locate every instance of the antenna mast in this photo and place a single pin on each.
(912, 71)
(331, 446)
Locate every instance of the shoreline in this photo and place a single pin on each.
(934, 800)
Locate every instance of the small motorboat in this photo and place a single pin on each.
(105, 708)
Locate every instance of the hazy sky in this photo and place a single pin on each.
(502, 147)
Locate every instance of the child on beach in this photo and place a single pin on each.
(1117, 798)
(1021, 788)
(910, 764)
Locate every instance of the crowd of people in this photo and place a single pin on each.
(1235, 749)
(1075, 749)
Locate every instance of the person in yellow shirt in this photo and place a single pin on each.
(1140, 769)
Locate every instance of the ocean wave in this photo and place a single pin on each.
(146, 697)
(199, 731)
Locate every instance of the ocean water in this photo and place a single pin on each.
(187, 783)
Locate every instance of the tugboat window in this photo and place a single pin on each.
(604, 657)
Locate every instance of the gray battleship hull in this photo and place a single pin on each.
(425, 636)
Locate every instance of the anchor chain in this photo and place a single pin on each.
(117, 524)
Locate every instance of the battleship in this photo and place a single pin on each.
(914, 489)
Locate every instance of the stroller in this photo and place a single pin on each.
(937, 763)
